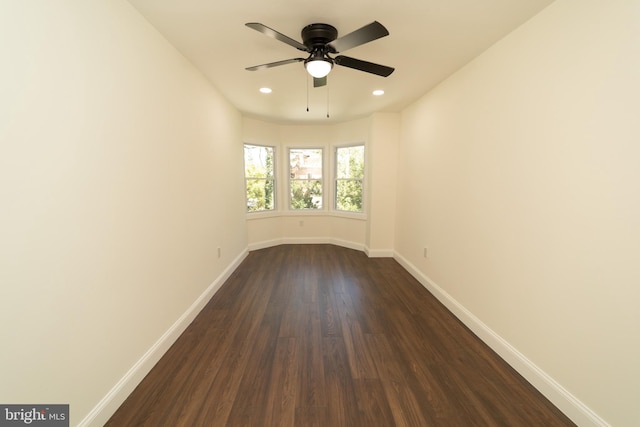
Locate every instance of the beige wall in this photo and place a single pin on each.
(120, 176)
(382, 182)
(521, 175)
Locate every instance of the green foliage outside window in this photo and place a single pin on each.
(305, 172)
(259, 177)
(306, 194)
(349, 178)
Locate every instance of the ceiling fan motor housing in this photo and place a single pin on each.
(317, 36)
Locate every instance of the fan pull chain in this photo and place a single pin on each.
(307, 92)
(327, 100)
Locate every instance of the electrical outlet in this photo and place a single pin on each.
(425, 251)
(219, 252)
(301, 223)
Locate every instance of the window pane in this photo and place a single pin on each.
(305, 172)
(305, 164)
(259, 177)
(259, 194)
(258, 161)
(349, 195)
(349, 178)
(350, 162)
(306, 194)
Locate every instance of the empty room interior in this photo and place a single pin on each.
(499, 176)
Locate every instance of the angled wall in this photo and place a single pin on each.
(520, 174)
(120, 177)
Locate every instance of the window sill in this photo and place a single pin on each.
(292, 213)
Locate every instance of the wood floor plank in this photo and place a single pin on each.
(404, 405)
(342, 405)
(250, 404)
(323, 336)
(372, 402)
(281, 402)
(330, 319)
(311, 416)
(312, 391)
(360, 360)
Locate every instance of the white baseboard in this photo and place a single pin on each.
(347, 244)
(265, 244)
(305, 241)
(573, 408)
(289, 241)
(371, 253)
(101, 413)
(379, 253)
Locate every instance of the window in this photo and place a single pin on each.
(349, 178)
(305, 178)
(259, 177)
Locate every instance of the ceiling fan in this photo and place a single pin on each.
(321, 41)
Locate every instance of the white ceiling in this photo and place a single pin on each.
(429, 40)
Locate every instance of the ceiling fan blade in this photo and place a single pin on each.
(319, 82)
(276, 35)
(367, 67)
(274, 64)
(368, 33)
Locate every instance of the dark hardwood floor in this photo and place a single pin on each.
(323, 336)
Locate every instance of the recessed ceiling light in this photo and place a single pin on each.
(378, 92)
(265, 89)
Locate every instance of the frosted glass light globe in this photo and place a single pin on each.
(318, 68)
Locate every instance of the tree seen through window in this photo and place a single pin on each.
(349, 178)
(259, 177)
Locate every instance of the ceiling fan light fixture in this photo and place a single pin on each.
(318, 67)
